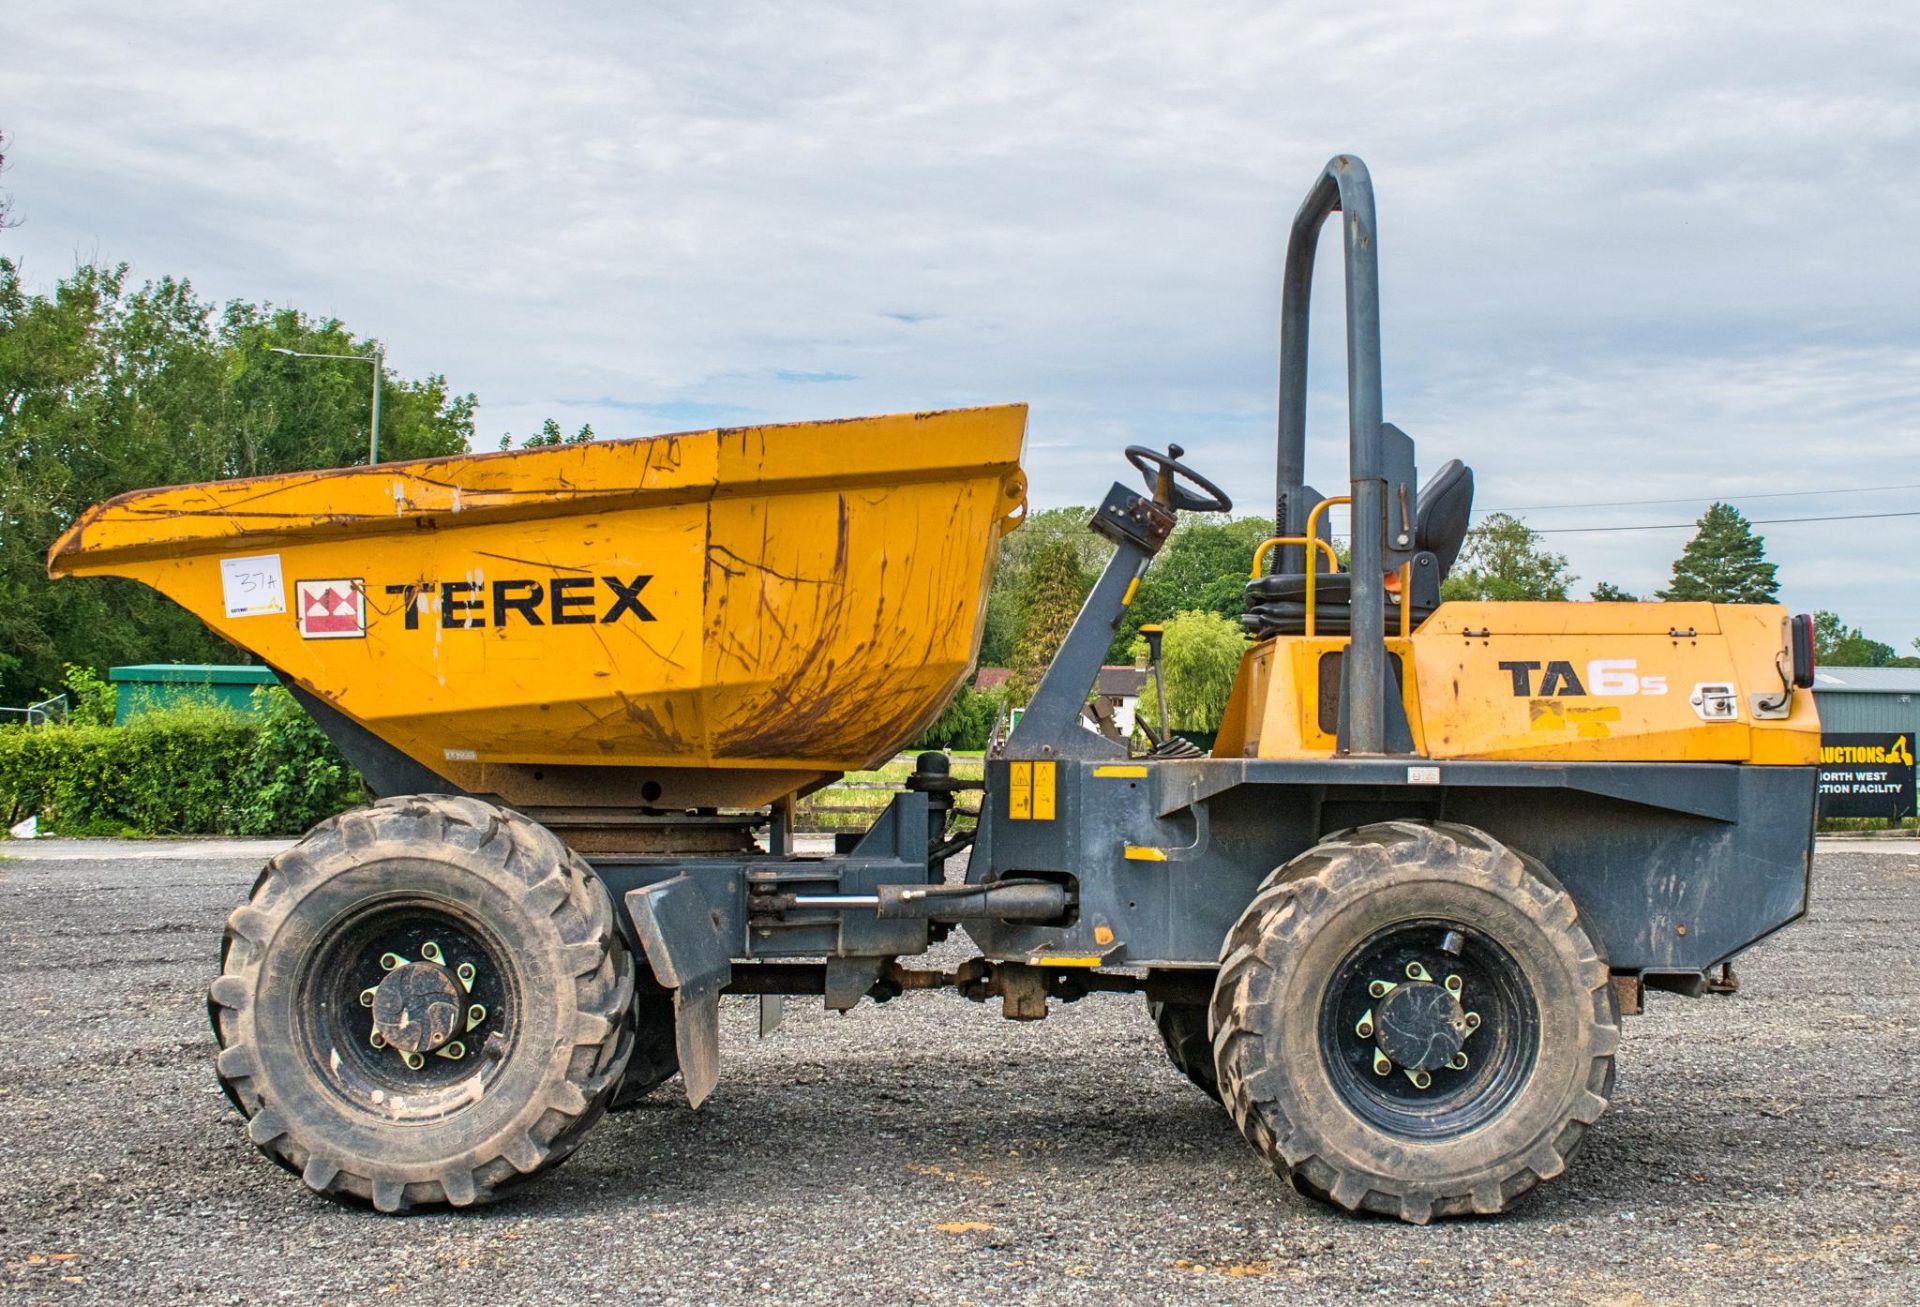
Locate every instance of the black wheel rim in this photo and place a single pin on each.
(1465, 1053)
(337, 1026)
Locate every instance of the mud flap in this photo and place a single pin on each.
(681, 936)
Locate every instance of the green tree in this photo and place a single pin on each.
(1056, 585)
(1724, 563)
(1504, 559)
(105, 388)
(1606, 592)
(1202, 568)
(550, 434)
(1200, 655)
(966, 721)
(1835, 644)
(1041, 534)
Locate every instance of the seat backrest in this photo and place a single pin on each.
(1446, 504)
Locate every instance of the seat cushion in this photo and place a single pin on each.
(1289, 617)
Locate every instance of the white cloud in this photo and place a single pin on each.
(1629, 251)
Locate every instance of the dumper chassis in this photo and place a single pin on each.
(1392, 922)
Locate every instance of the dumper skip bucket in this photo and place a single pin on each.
(714, 619)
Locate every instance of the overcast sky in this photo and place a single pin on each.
(1629, 251)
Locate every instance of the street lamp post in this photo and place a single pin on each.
(378, 359)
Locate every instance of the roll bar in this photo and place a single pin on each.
(1343, 186)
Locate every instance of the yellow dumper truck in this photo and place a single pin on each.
(1391, 922)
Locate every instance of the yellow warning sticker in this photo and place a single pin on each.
(1043, 791)
(1019, 791)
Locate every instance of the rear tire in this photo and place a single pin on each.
(1498, 1080)
(375, 895)
(1183, 1028)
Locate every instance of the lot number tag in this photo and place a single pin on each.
(252, 586)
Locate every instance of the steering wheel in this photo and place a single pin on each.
(1164, 473)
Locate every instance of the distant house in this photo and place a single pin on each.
(1116, 690)
(991, 678)
(1116, 697)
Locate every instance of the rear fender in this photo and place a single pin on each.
(684, 940)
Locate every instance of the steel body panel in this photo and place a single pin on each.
(800, 599)
(1552, 682)
(1675, 867)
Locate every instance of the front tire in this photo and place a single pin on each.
(1411, 1020)
(425, 1001)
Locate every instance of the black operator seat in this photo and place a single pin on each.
(1277, 605)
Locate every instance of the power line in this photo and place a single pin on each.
(1688, 526)
(1694, 499)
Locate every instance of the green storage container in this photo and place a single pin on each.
(152, 686)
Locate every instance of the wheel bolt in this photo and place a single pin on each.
(1454, 986)
(1473, 1021)
(389, 961)
(1458, 1062)
(1364, 1027)
(1381, 1066)
(431, 952)
(1380, 988)
(1417, 972)
(453, 1051)
(366, 996)
(475, 1015)
(413, 1060)
(1420, 1079)
(377, 1039)
(466, 973)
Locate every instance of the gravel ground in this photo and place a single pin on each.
(1761, 1148)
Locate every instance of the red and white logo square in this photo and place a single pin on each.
(331, 610)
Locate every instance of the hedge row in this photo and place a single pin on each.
(198, 771)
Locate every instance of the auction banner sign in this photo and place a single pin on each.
(1866, 775)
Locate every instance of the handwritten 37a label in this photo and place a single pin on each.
(252, 586)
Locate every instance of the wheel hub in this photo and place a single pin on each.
(418, 1007)
(1420, 1026)
(421, 1007)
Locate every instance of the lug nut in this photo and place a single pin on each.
(466, 973)
(1454, 986)
(431, 952)
(413, 1060)
(1364, 1027)
(366, 996)
(1380, 988)
(390, 961)
(1420, 1079)
(452, 1051)
(377, 1039)
(475, 1015)
(1473, 1021)
(1381, 1066)
(1417, 972)
(1458, 1062)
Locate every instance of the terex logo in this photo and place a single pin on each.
(563, 601)
(1605, 676)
